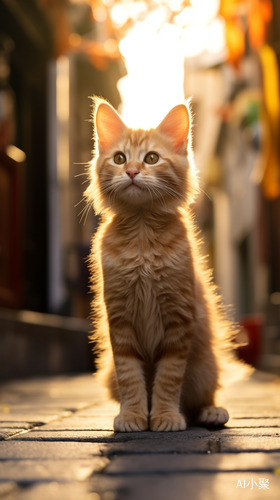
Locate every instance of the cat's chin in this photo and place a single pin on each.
(138, 197)
(134, 194)
(134, 204)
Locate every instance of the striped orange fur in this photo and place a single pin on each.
(162, 336)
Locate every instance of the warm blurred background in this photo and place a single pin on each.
(143, 56)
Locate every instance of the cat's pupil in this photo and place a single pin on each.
(119, 158)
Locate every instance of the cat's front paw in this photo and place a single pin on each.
(168, 421)
(129, 422)
(212, 416)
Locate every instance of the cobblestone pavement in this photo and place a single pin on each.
(57, 443)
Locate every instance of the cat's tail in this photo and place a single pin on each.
(232, 369)
(227, 331)
(224, 332)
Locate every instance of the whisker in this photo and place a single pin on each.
(89, 207)
(169, 190)
(160, 197)
(83, 211)
(171, 193)
(83, 199)
(206, 194)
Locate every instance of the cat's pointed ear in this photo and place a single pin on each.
(176, 126)
(109, 126)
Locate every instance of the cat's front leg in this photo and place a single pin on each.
(133, 414)
(165, 411)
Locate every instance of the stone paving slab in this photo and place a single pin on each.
(65, 448)
(17, 450)
(15, 425)
(38, 417)
(271, 401)
(254, 412)
(26, 471)
(248, 443)
(180, 463)
(72, 435)
(106, 436)
(104, 422)
(109, 410)
(7, 488)
(212, 445)
(7, 433)
(158, 445)
(199, 486)
(99, 422)
(247, 431)
(53, 491)
(253, 422)
(47, 406)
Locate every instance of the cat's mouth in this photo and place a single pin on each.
(133, 186)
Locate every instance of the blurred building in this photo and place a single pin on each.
(45, 144)
(25, 48)
(236, 147)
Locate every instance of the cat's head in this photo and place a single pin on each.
(140, 169)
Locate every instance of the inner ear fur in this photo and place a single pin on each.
(109, 125)
(176, 126)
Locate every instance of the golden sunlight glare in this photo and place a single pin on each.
(154, 51)
(155, 66)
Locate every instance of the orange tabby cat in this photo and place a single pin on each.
(158, 321)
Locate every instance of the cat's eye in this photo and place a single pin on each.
(119, 158)
(151, 158)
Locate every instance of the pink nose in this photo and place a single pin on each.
(132, 173)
